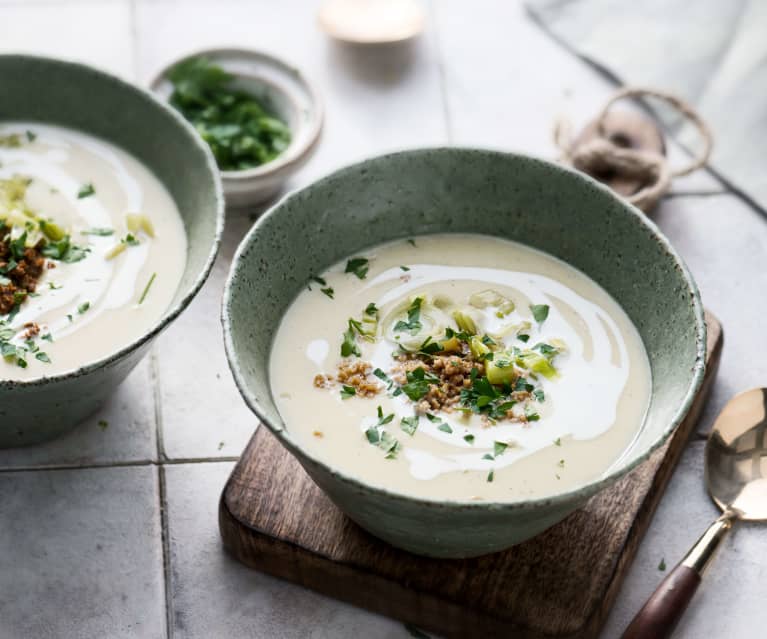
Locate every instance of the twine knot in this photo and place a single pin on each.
(611, 155)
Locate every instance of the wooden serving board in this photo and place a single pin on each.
(559, 584)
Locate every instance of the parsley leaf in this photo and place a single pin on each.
(540, 312)
(418, 383)
(86, 190)
(349, 344)
(413, 324)
(409, 424)
(328, 291)
(348, 391)
(499, 448)
(359, 266)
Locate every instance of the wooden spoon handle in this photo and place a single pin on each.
(665, 607)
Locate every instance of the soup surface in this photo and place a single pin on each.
(460, 367)
(92, 249)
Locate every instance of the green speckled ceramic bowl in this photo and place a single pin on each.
(470, 191)
(79, 97)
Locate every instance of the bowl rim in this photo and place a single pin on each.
(173, 311)
(579, 492)
(288, 161)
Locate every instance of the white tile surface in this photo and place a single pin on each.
(90, 31)
(201, 411)
(508, 83)
(730, 601)
(80, 554)
(215, 596)
(122, 431)
(724, 242)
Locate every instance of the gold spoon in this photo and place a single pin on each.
(736, 478)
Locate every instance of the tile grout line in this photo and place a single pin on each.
(165, 541)
(441, 72)
(118, 464)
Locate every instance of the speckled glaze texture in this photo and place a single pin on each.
(461, 190)
(79, 97)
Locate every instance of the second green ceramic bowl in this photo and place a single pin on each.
(79, 97)
(464, 191)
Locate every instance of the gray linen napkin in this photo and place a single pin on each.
(713, 53)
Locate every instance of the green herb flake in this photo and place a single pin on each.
(83, 307)
(47, 337)
(349, 345)
(86, 190)
(146, 289)
(418, 382)
(103, 424)
(561, 463)
(413, 324)
(468, 438)
(371, 309)
(409, 424)
(558, 441)
(405, 268)
(445, 427)
(488, 456)
(348, 391)
(662, 564)
(359, 266)
(328, 291)
(31, 136)
(499, 448)
(42, 357)
(540, 312)
(539, 395)
(411, 242)
(490, 476)
(523, 338)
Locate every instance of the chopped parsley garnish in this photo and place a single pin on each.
(31, 136)
(418, 381)
(83, 307)
(86, 190)
(539, 395)
(359, 266)
(379, 436)
(328, 291)
(240, 128)
(100, 231)
(540, 312)
(545, 349)
(42, 357)
(523, 385)
(445, 427)
(130, 240)
(371, 309)
(349, 345)
(662, 564)
(558, 441)
(413, 324)
(103, 424)
(411, 242)
(409, 424)
(47, 337)
(64, 251)
(483, 397)
(490, 476)
(469, 438)
(532, 416)
(561, 463)
(523, 337)
(405, 268)
(499, 448)
(348, 391)
(488, 456)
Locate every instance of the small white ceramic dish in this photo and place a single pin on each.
(285, 90)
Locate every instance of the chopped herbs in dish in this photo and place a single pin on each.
(242, 130)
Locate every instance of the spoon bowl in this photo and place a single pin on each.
(736, 457)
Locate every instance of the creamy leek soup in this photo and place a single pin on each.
(460, 367)
(92, 249)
